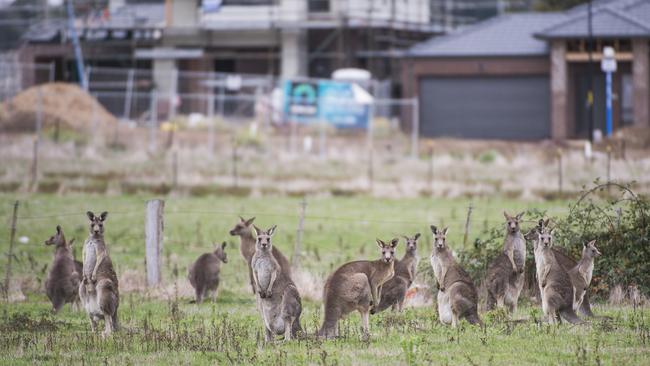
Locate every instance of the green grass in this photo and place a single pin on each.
(169, 330)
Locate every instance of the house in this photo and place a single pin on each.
(525, 76)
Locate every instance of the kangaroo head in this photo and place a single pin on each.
(439, 237)
(263, 238)
(412, 243)
(545, 238)
(220, 252)
(590, 250)
(97, 222)
(387, 249)
(512, 222)
(242, 227)
(58, 239)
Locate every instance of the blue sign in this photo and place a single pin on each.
(334, 102)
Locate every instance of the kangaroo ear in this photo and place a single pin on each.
(444, 231)
(592, 243)
(505, 214)
(249, 221)
(254, 231)
(58, 229)
(394, 242)
(91, 215)
(380, 243)
(71, 242)
(434, 229)
(520, 215)
(417, 235)
(103, 216)
(223, 245)
(547, 221)
(272, 230)
(241, 219)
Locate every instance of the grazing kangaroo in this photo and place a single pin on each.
(279, 299)
(243, 229)
(554, 282)
(204, 273)
(98, 290)
(564, 260)
(457, 296)
(393, 292)
(581, 274)
(357, 286)
(505, 275)
(62, 284)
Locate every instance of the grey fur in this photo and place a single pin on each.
(356, 286)
(243, 229)
(279, 301)
(393, 292)
(554, 282)
(98, 290)
(457, 295)
(62, 284)
(204, 273)
(505, 275)
(581, 274)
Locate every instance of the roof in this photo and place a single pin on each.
(505, 35)
(526, 34)
(616, 19)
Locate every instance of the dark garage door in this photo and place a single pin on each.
(512, 108)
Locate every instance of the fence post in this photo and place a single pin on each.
(467, 222)
(153, 121)
(153, 232)
(39, 112)
(415, 128)
(34, 170)
(559, 171)
(10, 255)
(172, 94)
(430, 170)
(609, 167)
(371, 174)
(128, 94)
(175, 169)
(297, 250)
(235, 179)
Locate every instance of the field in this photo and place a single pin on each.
(161, 326)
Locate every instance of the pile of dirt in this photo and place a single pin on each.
(66, 104)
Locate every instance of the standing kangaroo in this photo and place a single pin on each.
(457, 296)
(563, 259)
(581, 274)
(554, 282)
(62, 284)
(279, 298)
(204, 273)
(393, 292)
(243, 229)
(98, 290)
(357, 286)
(505, 275)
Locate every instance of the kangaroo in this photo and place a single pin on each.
(457, 296)
(279, 299)
(204, 273)
(357, 286)
(505, 275)
(393, 292)
(554, 282)
(62, 284)
(98, 290)
(581, 274)
(243, 229)
(564, 260)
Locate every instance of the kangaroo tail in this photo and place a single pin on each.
(570, 316)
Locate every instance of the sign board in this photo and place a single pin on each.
(342, 104)
(608, 65)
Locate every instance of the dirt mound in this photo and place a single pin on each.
(66, 104)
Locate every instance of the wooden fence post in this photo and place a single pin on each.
(10, 255)
(297, 250)
(469, 216)
(34, 170)
(235, 177)
(559, 171)
(153, 232)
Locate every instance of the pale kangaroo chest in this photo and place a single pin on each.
(539, 264)
(90, 256)
(519, 251)
(264, 267)
(586, 272)
(437, 266)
